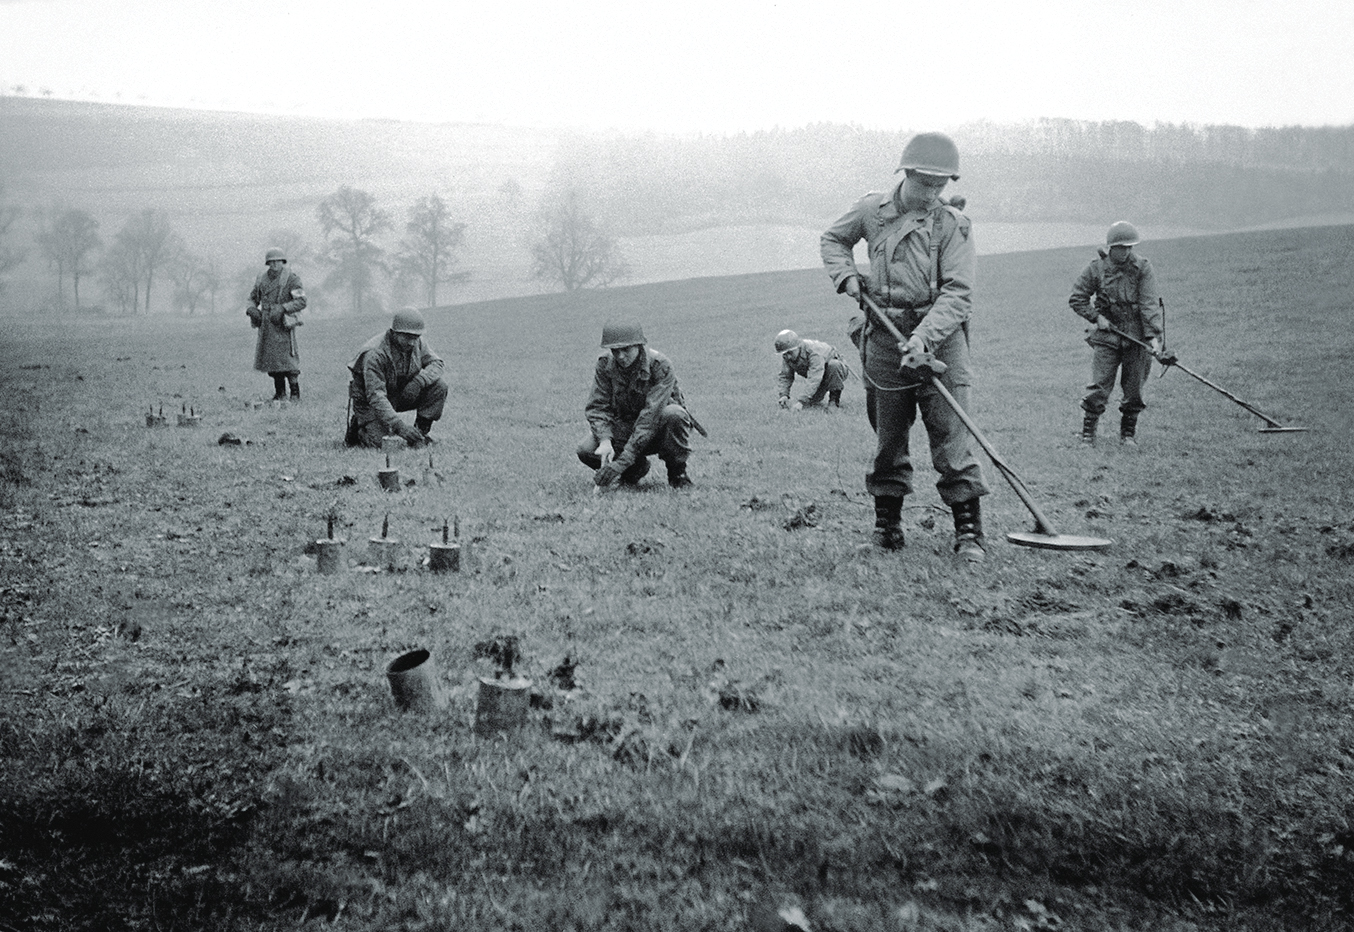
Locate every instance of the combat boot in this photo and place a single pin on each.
(888, 522)
(968, 531)
(424, 427)
(637, 471)
(1128, 428)
(295, 389)
(834, 399)
(677, 477)
(1088, 428)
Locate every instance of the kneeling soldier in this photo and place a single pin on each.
(396, 371)
(635, 410)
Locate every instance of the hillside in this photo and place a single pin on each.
(232, 183)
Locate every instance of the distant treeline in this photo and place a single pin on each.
(1217, 177)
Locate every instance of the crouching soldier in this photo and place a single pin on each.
(396, 371)
(818, 364)
(635, 410)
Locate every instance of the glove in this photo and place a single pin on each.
(607, 474)
(275, 314)
(411, 435)
(783, 401)
(255, 316)
(1102, 322)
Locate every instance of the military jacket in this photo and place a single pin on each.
(382, 370)
(1125, 294)
(809, 362)
(624, 404)
(921, 262)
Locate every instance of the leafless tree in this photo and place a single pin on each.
(121, 273)
(145, 243)
(428, 252)
(351, 221)
(68, 238)
(575, 251)
(10, 256)
(196, 281)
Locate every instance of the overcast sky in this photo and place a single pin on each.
(699, 65)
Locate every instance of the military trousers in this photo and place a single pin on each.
(367, 429)
(892, 405)
(1131, 362)
(671, 441)
(834, 380)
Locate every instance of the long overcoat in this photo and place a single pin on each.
(276, 297)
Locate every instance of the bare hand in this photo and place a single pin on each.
(1102, 322)
(798, 406)
(852, 287)
(606, 452)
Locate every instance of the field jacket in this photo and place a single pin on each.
(809, 362)
(276, 349)
(921, 263)
(624, 404)
(382, 371)
(1125, 294)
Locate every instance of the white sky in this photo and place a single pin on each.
(699, 65)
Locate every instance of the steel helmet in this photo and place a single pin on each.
(1122, 233)
(625, 333)
(408, 320)
(274, 253)
(931, 154)
(786, 340)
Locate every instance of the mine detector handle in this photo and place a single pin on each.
(1168, 359)
(926, 365)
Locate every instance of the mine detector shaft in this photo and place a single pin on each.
(1168, 359)
(926, 368)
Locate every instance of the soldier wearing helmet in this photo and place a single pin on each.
(817, 363)
(396, 371)
(275, 304)
(1118, 290)
(921, 275)
(634, 410)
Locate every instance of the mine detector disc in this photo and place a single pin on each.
(1057, 541)
(1282, 430)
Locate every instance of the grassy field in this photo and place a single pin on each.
(196, 730)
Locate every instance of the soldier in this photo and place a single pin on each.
(1118, 290)
(635, 409)
(275, 304)
(396, 371)
(817, 363)
(921, 276)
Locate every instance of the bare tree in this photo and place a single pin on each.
(575, 251)
(196, 280)
(10, 257)
(149, 242)
(427, 253)
(121, 272)
(68, 238)
(351, 221)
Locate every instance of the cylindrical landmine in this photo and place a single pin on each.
(502, 705)
(413, 682)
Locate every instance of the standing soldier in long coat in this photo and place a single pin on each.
(921, 276)
(275, 304)
(1119, 290)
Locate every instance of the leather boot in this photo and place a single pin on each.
(968, 531)
(834, 399)
(888, 522)
(1088, 428)
(424, 427)
(295, 384)
(1128, 428)
(279, 388)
